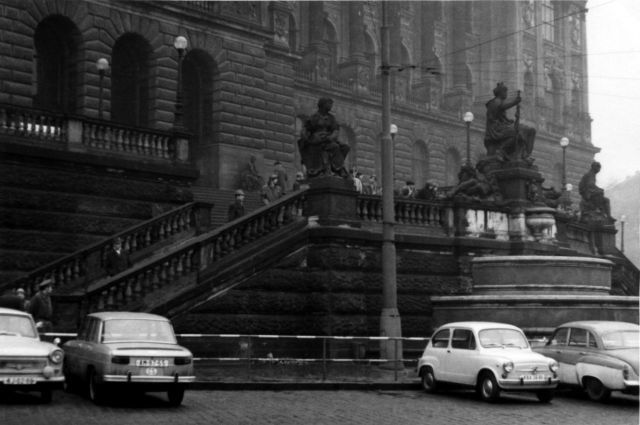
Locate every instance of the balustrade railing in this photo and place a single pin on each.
(196, 254)
(407, 211)
(77, 133)
(88, 263)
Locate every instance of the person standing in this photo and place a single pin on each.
(236, 209)
(117, 260)
(298, 184)
(283, 179)
(271, 191)
(40, 306)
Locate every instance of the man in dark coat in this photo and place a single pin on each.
(236, 209)
(40, 306)
(117, 259)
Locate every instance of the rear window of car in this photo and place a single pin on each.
(17, 325)
(138, 330)
(621, 339)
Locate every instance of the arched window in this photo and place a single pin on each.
(452, 165)
(331, 39)
(197, 79)
(57, 41)
(130, 80)
(420, 163)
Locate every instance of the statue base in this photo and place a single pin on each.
(519, 181)
(332, 201)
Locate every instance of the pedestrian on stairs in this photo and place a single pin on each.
(117, 259)
(40, 306)
(236, 209)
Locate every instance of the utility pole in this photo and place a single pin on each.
(390, 325)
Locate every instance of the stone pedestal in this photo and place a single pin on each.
(332, 201)
(517, 181)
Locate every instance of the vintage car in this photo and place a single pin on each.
(598, 356)
(136, 350)
(26, 363)
(490, 357)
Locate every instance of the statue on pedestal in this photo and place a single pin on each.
(321, 151)
(594, 205)
(504, 137)
(474, 184)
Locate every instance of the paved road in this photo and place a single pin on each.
(318, 407)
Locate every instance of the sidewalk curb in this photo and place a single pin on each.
(297, 386)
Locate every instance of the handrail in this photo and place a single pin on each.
(73, 132)
(196, 254)
(88, 262)
(407, 211)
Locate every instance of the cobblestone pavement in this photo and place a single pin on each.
(317, 407)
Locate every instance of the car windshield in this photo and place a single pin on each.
(17, 326)
(620, 339)
(491, 338)
(138, 330)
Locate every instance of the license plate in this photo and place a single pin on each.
(534, 378)
(152, 362)
(19, 380)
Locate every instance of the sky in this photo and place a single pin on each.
(613, 48)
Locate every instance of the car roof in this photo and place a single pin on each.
(599, 326)
(478, 325)
(107, 315)
(4, 310)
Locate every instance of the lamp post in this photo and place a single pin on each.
(102, 65)
(564, 142)
(389, 317)
(622, 220)
(180, 43)
(468, 118)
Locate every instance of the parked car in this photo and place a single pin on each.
(26, 363)
(598, 356)
(490, 357)
(134, 350)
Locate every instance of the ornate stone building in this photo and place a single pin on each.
(252, 70)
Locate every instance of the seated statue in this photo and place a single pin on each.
(251, 178)
(321, 151)
(474, 184)
(594, 205)
(505, 137)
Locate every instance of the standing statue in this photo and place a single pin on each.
(594, 205)
(504, 137)
(251, 180)
(321, 151)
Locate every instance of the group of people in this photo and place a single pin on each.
(367, 185)
(277, 184)
(39, 305)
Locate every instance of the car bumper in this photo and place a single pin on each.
(520, 384)
(149, 379)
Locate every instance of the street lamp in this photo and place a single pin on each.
(102, 65)
(389, 317)
(180, 43)
(622, 219)
(468, 117)
(564, 142)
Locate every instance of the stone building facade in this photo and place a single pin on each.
(252, 71)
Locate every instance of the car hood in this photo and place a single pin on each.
(24, 347)
(518, 355)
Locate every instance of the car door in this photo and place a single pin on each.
(440, 351)
(556, 348)
(575, 349)
(462, 357)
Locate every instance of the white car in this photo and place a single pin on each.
(131, 350)
(599, 356)
(26, 363)
(490, 357)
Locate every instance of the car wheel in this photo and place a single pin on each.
(545, 396)
(596, 390)
(46, 395)
(488, 387)
(429, 383)
(175, 395)
(95, 389)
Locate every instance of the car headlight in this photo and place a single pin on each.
(508, 366)
(56, 356)
(553, 367)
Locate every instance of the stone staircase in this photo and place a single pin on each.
(221, 199)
